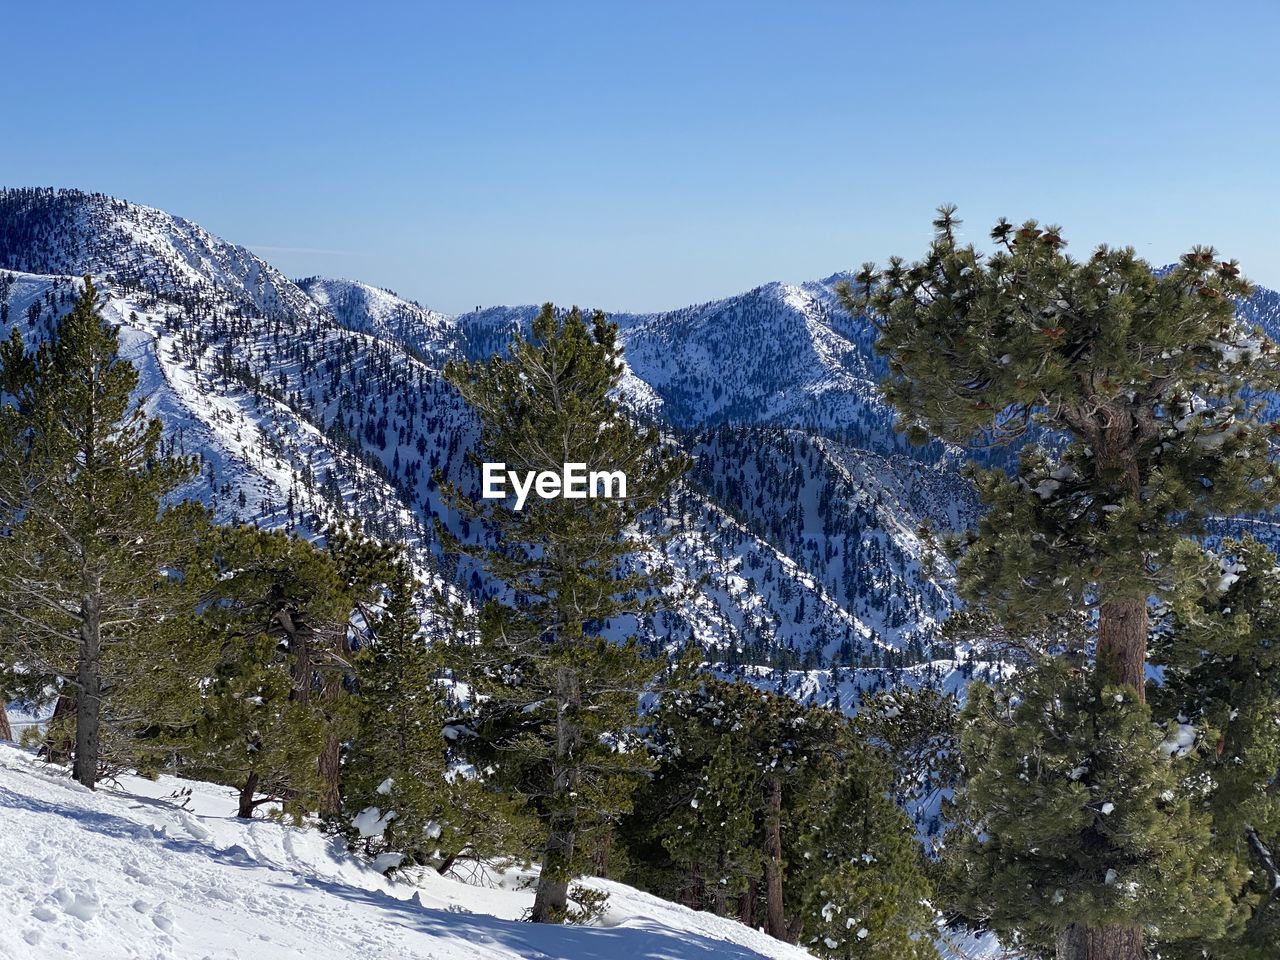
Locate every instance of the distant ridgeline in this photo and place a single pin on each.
(318, 399)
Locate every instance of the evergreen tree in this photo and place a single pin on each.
(1221, 690)
(865, 893)
(561, 698)
(365, 569)
(279, 612)
(253, 734)
(91, 553)
(394, 774)
(1078, 813)
(1136, 379)
(777, 812)
(274, 610)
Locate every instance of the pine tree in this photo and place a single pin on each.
(698, 833)
(394, 774)
(562, 699)
(1078, 813)
(1221, 691)
(865, 892)
(253, 734)
(407, 790)
(274, 610)
(279, 613)
(92, 552)
(1136, 380)
(778, 812)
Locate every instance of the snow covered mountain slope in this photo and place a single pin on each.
(778, 355)
(312, 401)
(150, 869)
(851, 518)
(68, 232)
(365, 309)
(307, 405)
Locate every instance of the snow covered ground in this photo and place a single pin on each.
(140, 869)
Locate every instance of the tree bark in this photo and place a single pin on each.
(1122, 642)
(6, 731)
(1105, 943)
(447, 863)
(747, 904)
(245, 810)
(550, 903)
(58, 746)
(89, 686)
(330, 764)
(1122, 618)
(551, 900)
(775, 914)
(600, 858)
(332, 690)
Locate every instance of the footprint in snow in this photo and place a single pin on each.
(162, 918)
(82, 906)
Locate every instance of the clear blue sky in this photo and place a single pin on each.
(649, 154)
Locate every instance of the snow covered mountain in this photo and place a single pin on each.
(313, 400)
(778, 355)
(319, 399)
(365, 309)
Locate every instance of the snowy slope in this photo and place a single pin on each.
(262, 457)
(314, 402)
(778, 355)
(142, 869)
(365, 309)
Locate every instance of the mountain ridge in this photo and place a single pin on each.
(313, 401)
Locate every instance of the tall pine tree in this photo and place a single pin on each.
(279, 614)
(1137, 380)
(394, 774)
(561, 699)
(90, 544)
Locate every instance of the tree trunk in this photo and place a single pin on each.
(691, 893)
(298, 642)
(600, 858)
(718, 890)
(6, 731)
(89, 687)
(245, 810)
(550, 903)
(57, 745)
(1121, 659)
(447, 864)
(1122, 620)
(775, 915)
(332, 691)
(1122, 642)
(747, 904)
(1105, 943)
(330, 768)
